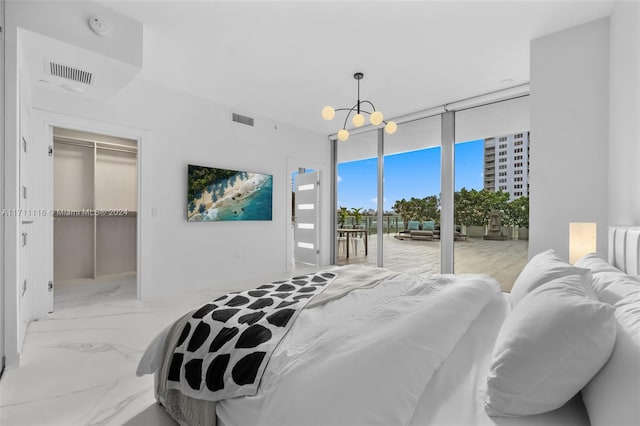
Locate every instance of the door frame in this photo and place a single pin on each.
(43, 123)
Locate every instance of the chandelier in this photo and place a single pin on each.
(375, 117)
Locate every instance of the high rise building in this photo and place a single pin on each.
(506, 164)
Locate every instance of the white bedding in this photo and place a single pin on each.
(364, 359)
(408, 351)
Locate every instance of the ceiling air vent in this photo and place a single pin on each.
(243, 119)
(70, 73)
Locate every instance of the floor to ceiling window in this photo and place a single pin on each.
(357, 189)
(490, 193)
(491, 207)
(412, 168)
(491, 202)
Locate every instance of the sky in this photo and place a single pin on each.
(413, 174)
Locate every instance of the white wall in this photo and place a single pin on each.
(173, 129)
(624, 115)
(569, 135)
(59, 20)
(189, 130)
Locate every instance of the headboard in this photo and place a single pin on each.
(624, 248)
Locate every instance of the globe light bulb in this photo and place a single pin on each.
(343, 135)
(391, 127)
(358, 120)
(376, 118)
(328, 113)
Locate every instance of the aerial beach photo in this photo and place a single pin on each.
(222, 195)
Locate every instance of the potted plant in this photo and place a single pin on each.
(343, 214)
(357, 216)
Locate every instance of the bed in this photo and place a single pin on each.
(371, 346)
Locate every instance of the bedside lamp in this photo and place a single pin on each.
(582, 239)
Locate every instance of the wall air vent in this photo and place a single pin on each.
(243, 119)
(69, 73)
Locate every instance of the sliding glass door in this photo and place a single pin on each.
(491, 203)
(357, 188)
(487, 200)
(412, 168)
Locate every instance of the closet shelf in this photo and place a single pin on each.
(95, 207)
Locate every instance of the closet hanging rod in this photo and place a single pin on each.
(108, 148)
(73, 138)
(90, 144)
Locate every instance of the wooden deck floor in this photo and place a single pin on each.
(502, 260)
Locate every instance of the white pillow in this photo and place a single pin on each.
(552, 343)
(622, 287)
(611, 398)
(541, 269)
(603, 272)
(596, 263)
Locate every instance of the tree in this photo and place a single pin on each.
(493, 201)
(432, 208)
(401, 208)
(468, 208)
(473, 207)
(461, 210)
(517, 212)
(199, 178)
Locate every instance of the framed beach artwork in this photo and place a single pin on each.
(221, 195)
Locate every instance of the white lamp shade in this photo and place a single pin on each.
(343, 135)
(376, 118)
(328, 113)
(358, 120)
(391, 127)
(582, 239)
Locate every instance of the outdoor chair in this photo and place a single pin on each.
(342, 243)
(357, 238)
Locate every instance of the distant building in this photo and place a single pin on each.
(506, 164)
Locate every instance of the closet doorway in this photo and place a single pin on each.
(94, 211)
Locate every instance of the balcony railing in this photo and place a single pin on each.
(390, 224)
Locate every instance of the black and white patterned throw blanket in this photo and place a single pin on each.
(226, 344)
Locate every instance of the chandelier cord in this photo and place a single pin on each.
(358, 95)
(346, 119)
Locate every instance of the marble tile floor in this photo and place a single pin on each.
(78, 366)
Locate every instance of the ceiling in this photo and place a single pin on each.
(286, 60)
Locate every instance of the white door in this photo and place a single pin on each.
(306, 232)
(26, 230)
(2, 141)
